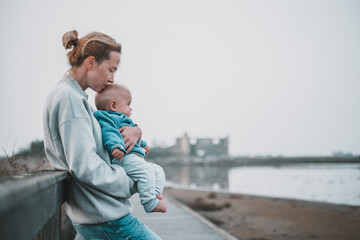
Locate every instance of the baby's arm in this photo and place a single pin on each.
(110, 132)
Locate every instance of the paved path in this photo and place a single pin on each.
(179, 222)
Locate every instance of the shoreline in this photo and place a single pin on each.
(226, 191)
(255, 217)
(237, 161)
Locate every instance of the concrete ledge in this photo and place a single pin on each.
(29, 201)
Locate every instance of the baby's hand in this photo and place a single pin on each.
(118, 154)
(146, 149)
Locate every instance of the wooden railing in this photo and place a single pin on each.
(31, 207)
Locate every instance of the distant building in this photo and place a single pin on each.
(201, 147)
(342, 154)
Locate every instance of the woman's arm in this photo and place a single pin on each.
(130, 135)
(85, 164)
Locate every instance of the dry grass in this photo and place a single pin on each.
(15, 165)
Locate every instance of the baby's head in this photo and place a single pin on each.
(116, 98)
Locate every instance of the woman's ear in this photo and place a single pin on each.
(112, 105)
(90, 62)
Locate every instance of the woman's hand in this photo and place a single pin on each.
(130, 135)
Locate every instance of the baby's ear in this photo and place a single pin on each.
(112, 105)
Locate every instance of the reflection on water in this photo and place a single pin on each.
(204, 176)
(333, 183)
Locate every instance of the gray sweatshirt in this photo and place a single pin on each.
(97, 190)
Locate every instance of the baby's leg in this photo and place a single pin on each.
(159, 178)
(143, 173)
(159, 187)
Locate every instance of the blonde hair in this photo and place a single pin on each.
(94, 44)
(111, 92)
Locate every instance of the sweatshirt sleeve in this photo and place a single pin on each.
(84, 162)
(110, 132)
(142, 143)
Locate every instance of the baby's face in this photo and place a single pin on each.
(123, 104)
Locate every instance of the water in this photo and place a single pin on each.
(331, 183)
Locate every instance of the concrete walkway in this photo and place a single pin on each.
(179, 222)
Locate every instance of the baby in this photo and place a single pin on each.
(114, 111)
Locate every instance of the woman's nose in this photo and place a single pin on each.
(111, 78)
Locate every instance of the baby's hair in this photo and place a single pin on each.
(111, 92)
(94, 44)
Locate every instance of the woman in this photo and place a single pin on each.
(98, 192)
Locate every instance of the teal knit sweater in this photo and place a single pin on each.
(110, 123)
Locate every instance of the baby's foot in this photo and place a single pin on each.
(161, 207)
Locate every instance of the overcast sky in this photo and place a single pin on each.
(277, 77)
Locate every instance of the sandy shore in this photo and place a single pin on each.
(258, 218)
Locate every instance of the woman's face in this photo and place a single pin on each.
(102, 74)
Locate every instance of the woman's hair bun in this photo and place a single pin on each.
(70, 39)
